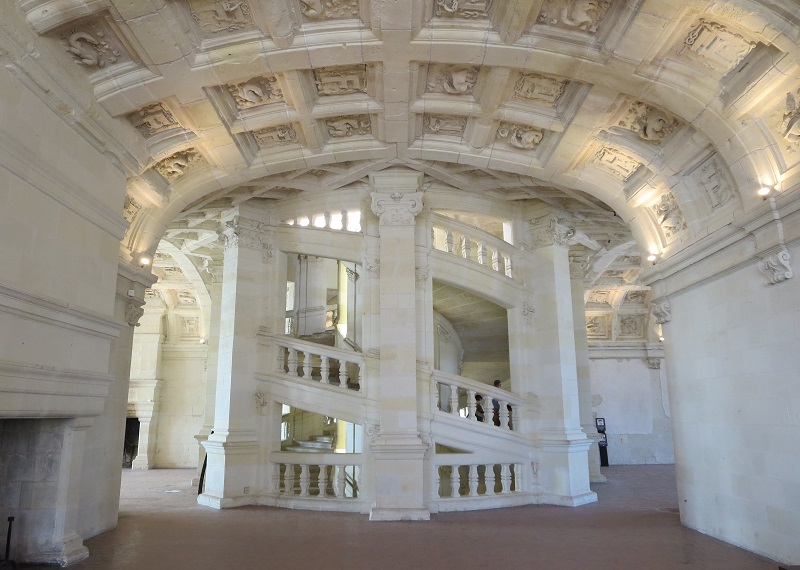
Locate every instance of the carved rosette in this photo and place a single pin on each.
(397, 208)
(248, 234)
(650, 123)
(661, 310)
(178, 164)
(549, 231)
(450, 79)
(777, 267)
(341, 80)
(584, 15)
(519, 136)
(467, 9)
(348, 126)
(153, 119)
(255, 92)
(444, 125)
(540, 89)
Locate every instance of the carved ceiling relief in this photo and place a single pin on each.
(316, 10)
(585, 15)
(539, 89)
(519, 136)
(714, 46)
(275, 136)
(187, 298)
(92, 44)
(649, 123)
(455, 80)
(712, 178)
(600, 297)
(341, 80)
(668, 215)
(131, 208)
(790, 125)
(255, 92)
(153, 119)
(617, 162)
(597, 327)
(348, 126)
(215, 16)
(468, 9)
(445, 125)
(178, 164)
(635, 297)
(631, 326)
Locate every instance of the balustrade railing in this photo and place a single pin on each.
(452, 394)
(316, 475)
(319, 363)
(458, 476)
(344, 220)
(472, 244)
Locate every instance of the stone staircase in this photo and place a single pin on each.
(315, 444)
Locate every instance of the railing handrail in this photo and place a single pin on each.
(313, 347)
(487, 391)
(472, 231)
(450, 459)
(316, 458)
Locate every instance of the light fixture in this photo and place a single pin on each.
(652, 257)
(661, 338)
(764, 191)
(145, 260)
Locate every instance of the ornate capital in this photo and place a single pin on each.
(777, 267)
(397, 208)
(662, 310)
(133, 312)
(550, 230)
(248, 234)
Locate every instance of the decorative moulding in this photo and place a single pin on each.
(275, 136)
(519, 136)
(790, 125)
(618, 163)
(668, 215)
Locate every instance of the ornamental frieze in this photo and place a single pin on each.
(255, 92)
(341, 80)
(711, 177)
(617, 162)
(131, 208)
(584, 15)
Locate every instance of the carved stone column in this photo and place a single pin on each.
(247, 285)
(396, 449)
(550, 374)
(576, 273)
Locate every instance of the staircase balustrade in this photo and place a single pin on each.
(459, 393)
(471, 244)
(456, 479)
(316, 476)
(314, 362)
(344, 221)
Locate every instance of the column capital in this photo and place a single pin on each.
(397, 208)
(249, 234)
(548, 230)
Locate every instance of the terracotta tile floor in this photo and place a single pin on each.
(634, 525)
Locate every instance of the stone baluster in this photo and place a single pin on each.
(305, 479)
(473, 480)
(279, 364)
(437, 404)
(448, 240)
(471, 404)
(292, 362)
(344, 220)
(466, 247)
(360, 377)
(505, 478)
(327, 217)
(496, 259)
(504, 414)
(453, 399)
(342, 374)
(482, 252)
(322, 480)
(324, 370)
(307, 356)
(455, 482)
(507, 260)
(340, 472)
(276, 478)
(488, 478)
(288, 479)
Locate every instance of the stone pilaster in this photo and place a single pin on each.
(396, 448)
(247, 285)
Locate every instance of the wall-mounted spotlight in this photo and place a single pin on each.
(145, 260)
(764, 191)
(652, 257)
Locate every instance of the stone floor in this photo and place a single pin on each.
(635, 524)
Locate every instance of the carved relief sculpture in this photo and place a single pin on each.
(598, 297)
(597, 327)
(92, 44)
(249, 235)
(540, 89)
(341, 80)
(711, 177)
(153, 119)
(661, 310)
(178, 164)
(256, 91)
(649, 123)
(585, 15)
(221, 15)
(455, 80)
(275, 136)
(790, 126)
(421, 275)
(714, 46)
(133, 312)
(397, 208)
(669, 215)
(630, 326)
(777, 267)
(619, 163)
(469, 9)
(349, 126)
(550, 230)
(636, 297)
(527, 312)
(190, 327)
(445, 125)
(329, 9)
(131, 208)
(519, 136)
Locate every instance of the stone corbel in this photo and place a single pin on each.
(133, 312)
(776, 265)
(661, 310)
